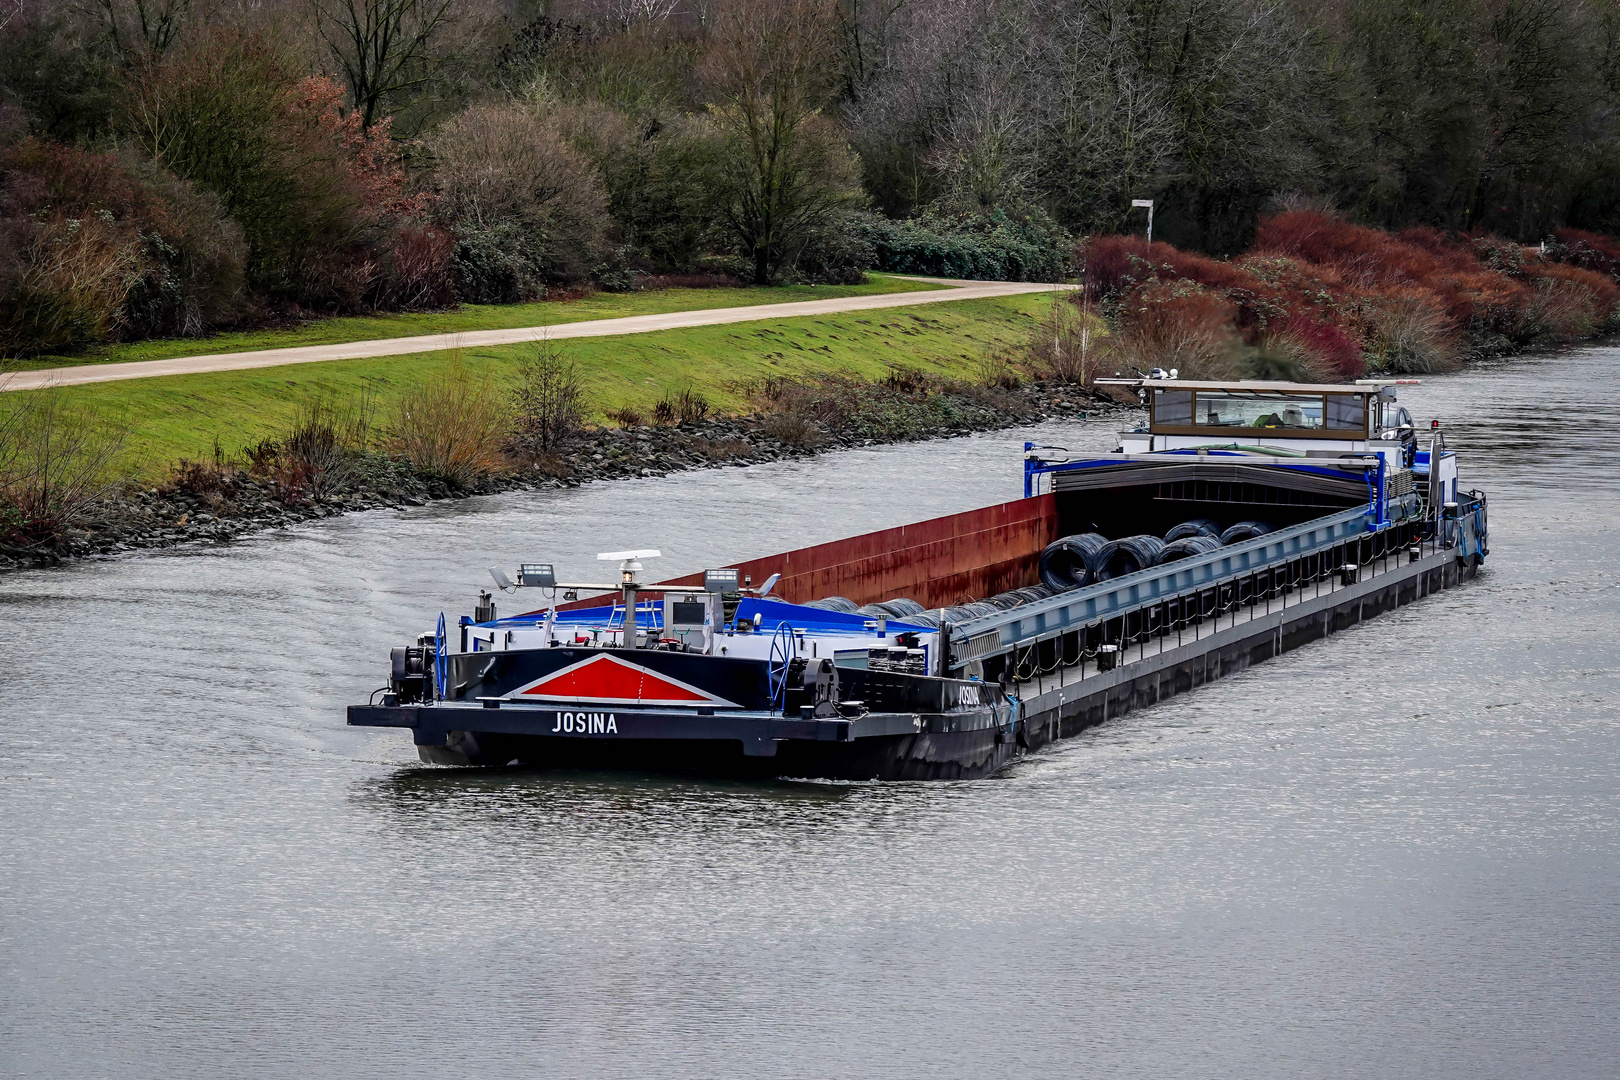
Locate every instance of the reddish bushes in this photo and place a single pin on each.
(320, 199)
(1588, 251)
(254, 186)
(1321, 295)
(1337, 353)
(102, 246)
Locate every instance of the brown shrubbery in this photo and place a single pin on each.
(1328, 299)
(527, 209)
(55, 463)
(452, 427)
(100, 246)
(243, 183)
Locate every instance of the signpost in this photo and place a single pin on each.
(1148, 203)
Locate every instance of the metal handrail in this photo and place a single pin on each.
(1068, 611)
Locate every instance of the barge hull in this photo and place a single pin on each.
(964, 755)
(896, 746)
(1053, 711)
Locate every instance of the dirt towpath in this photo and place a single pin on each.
(634, 324)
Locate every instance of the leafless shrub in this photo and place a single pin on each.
(686, 407)
(502, 167)
(627, 417)
(77, 276)
(548, 464)
(791, 429)
(312, 459)
(452, 427)
(550, 399)
(316, 456)
(1409, 335)
(1066, 348)
(905, 380)
(996, 371)
(262, 456)
(202, 478)
(55, 465)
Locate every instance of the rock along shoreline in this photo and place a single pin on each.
(244, 503)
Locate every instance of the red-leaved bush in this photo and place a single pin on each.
(1589, 251)
(1329, 298)
(1337, 353)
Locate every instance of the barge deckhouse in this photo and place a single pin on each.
(1241, 520)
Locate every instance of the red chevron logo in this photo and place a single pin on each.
(608, 680)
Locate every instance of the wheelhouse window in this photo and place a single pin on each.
(1218, 411)
(1347, 412)
(1173, 407)
(1240, 409)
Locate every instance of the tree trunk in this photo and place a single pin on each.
(762, 266)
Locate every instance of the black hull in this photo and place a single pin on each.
(958, 755)
(964, 745)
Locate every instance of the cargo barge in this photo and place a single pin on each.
(1241, 520)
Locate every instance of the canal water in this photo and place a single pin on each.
(1394, 853)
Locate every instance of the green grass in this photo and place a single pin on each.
(473, 317)
(180, 416)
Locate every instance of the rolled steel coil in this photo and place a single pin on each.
(901, 606)
(835, 603)
(1195, 527)
(1127, 556)
(1245, 530)
(1032, 593)
(953, 615)
(924, 618)
(1005, 601)
(874, 611)
(1187, 547)
(1070, 562)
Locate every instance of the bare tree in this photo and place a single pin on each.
(986, 131)
(786, 169)
(1082, 105)
(627, 13)
(550, 397)
(384, 47)
(140, 29)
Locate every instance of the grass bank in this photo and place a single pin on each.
(469, 317)
(183, 416)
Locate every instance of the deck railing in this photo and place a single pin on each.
(1195, 589)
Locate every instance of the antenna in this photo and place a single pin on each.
(502, 582)
(621, 556)
(770, 583)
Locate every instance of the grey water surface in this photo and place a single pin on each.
(1389, 854)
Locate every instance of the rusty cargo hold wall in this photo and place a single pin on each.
(936, 563)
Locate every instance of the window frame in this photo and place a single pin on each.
(1324, 433)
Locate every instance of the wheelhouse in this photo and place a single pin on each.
(1184, 414)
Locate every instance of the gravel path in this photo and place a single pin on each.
(635, 324)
